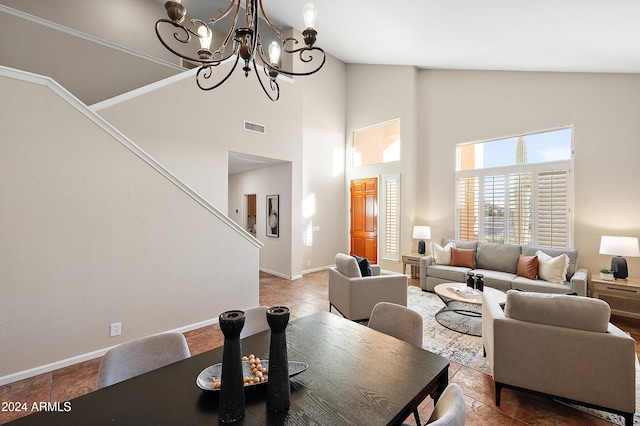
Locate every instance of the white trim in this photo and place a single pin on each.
(88, 37)
(127, 143)
(280, 275)
(157, 85)
(312, 270)
(142, 90)
(25, 374)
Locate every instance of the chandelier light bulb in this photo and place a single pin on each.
(274, 53)
(205, 37)
(309, 14)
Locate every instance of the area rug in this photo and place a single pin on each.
(458, 347)
(467, 350)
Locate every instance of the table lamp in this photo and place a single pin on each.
(618, 247)
(422, 233)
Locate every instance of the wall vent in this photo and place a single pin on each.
(254, 127)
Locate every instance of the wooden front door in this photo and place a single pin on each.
(364, 218)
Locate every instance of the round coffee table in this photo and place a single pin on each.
(460, 313)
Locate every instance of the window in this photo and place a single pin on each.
(377, 144)
(391, 243)
(527, 199)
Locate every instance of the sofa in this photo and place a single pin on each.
(355, 295)
(499, 264)
(561, 346)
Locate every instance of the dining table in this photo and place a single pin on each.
(355, 376)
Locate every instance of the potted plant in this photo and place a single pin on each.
(606, 274)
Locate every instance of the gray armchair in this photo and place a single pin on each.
(561, 346)
(354, 296)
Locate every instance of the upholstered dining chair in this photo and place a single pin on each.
(450, 410)
(141, 356)
(255, 321)
(400, 322)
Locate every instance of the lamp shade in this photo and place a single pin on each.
(422, 232)
(619, 246)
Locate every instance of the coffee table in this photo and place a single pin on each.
(460, 313)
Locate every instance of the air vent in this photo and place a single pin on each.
(254, 127)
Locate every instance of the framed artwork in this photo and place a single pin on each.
(273, 216)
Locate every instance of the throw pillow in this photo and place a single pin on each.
(364, 265)
(441, 255)
(463, 257)
(347, 265)
(528, 267)
(552, 269)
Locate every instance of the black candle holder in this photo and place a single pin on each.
(232, 402)
(470, 280)
(479, 282)
(278, 386)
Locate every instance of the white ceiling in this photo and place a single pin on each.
(518, 35)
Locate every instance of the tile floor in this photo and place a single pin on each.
(304, 297)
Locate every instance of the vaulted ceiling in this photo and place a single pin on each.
(518, 35)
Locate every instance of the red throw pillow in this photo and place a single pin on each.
(528, 267)
(463, 257)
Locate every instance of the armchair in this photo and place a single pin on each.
(561, 346)
(354, 296)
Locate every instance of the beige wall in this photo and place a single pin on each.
(465, 106)
(123, 22)
(323, 224)
(92, 235)
(191, 132)
(376, 94)
(92, 71)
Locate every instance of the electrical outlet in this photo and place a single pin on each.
(116, 329)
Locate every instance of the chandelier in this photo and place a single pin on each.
(241, 42)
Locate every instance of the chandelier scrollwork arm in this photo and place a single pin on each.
(205, 72)
(273, 83)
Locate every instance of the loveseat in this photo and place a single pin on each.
(499, 265)
(562, 346)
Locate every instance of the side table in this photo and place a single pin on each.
(412, 259)
(628, 289)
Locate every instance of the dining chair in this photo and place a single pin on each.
(450, 410)
(400, 322)
(141, 356)
(255, 321)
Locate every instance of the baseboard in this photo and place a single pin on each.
(312, 270)
(25, 374)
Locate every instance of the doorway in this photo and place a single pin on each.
(364, 218)
(250, 220)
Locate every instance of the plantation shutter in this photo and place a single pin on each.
(468, 208)
(392, 217)
(494, 208)
(553, 208)
(520, 208)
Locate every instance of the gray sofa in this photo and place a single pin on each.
(498, 263)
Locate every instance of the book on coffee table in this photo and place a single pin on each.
(468, 292)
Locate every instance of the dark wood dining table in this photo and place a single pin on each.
(356, 376)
